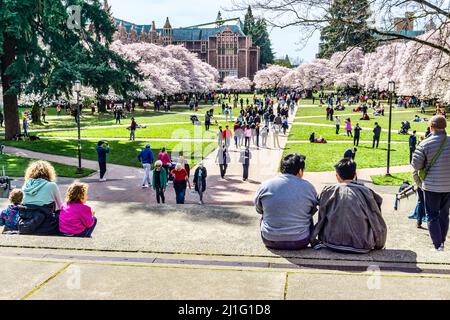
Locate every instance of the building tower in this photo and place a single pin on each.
(219, 20)
(167, 33)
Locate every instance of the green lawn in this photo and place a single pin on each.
(322, 157)
(302, 132)
(15, 167)
(175, 131)
(395, 180)
(399, 115)
(122, 152)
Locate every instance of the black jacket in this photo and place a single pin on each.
(38, 220)
(196, 179)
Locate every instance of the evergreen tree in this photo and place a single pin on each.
(43, 50)
(340, 34)
(257, 29)
(286, 62)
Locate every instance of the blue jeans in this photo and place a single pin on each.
(88, 232)
(181, 194)
(437, 206)
(420, 209)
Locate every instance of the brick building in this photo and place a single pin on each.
(224, 46)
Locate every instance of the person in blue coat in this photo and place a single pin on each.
(147, 158)
(102, 150)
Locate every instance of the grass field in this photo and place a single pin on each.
(122, 152)
(172, 131)
(395, 180)
(323, 157)
(15, 167)
(302, 132)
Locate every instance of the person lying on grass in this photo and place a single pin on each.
(350, 219)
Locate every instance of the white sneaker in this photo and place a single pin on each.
(200, 202)
(102, 180)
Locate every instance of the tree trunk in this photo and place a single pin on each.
(101, 105)
(36, 114)
(11, 112)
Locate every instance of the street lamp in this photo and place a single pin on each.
(391, 89)
(77, 88)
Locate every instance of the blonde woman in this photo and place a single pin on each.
(41, 197)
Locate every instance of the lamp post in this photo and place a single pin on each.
(391, 89)
(77, 88)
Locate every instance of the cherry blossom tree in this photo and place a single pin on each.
(271, 78)
(168, 70)
(236, 84)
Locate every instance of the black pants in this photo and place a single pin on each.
(207, 124)
(356, 141)
(102, 166)
(160, 195)
(376, 141)
(411, 152)
(349, 133)
(245, 176)
(247, 141)
(338, 127)
(223, 170)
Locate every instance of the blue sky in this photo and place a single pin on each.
(183, 13)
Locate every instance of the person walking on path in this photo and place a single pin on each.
(164, 157)
(118, 113)
(159, 182)
(238, 134)
(2, 118)
(337, 121)
(133, 128)
(331, 114)
(276, 136)
(357, 135)
(412, 145)
(182, 160)
(227, 136)
(431, 162)
(102, 150)
(257, 133)
(147, 158)
(248, 135)
(180, 182)
(376, 136)
(44, 114)
(207, 121)
(223, 159)
(220, 136)
(246, 156)
(200, 176)
(348, 127)
(25, 126)
(264, 135)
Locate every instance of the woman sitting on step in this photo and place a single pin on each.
(41, 201)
